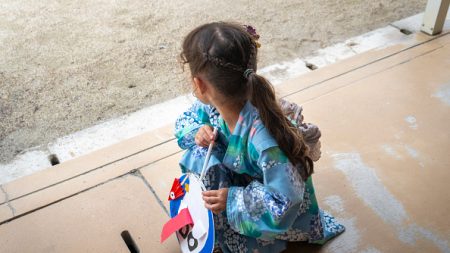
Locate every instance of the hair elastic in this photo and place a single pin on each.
(248, 72)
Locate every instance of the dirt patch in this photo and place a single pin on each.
(66, 65)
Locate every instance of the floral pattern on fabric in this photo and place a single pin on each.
(295, 179)
(277, 204)
(254, 201)
(237, 162)
(316, 228)
(199, 152)
(331, 224)
(294, 235)
(304, 206)
(235, 242)
(238, 195)
(268, 165)
(187, 125)
(268, 203)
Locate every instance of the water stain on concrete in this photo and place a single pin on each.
(371, 190)
(371, 250)
(413, 232)
(412, 122)
(335, 203)
(412, 152)
(443, 94)
(391, 151)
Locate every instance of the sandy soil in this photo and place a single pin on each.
(66, 65)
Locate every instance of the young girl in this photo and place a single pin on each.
(259, 177)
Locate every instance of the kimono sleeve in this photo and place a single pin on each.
(268, 208)
(188, 123)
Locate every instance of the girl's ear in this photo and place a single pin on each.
(200, 85)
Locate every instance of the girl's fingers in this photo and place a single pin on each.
(209, 133)
(215, 208)
(200, 141)
(197, 141)
(211, 193)
(206, 138)
(214, 200)
(209, 206)
(211, 200)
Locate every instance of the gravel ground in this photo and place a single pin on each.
(67, 65)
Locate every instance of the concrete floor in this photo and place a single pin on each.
(384, 116)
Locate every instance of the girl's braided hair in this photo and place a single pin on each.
(222, 53)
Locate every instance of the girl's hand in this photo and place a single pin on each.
(204, 136)
(216, 200)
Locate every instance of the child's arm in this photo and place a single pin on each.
(269, 208)
(188, 123)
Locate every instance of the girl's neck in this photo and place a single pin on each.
(230, 113)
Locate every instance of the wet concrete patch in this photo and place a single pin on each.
(412, 122)
(443, 94)
(369, 188)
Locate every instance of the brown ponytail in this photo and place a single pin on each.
(288, 137)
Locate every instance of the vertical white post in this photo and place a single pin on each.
(434, 16)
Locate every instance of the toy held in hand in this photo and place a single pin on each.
(190, 220)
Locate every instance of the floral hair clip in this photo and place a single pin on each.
(252, 31)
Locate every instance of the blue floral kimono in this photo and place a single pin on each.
(268, 202)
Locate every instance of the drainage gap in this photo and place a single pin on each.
(129, 242)
(310, 66)
(405, 31)
(53, 159)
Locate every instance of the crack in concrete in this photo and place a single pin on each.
(132, 172)
(138, 174)
(13, 211)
